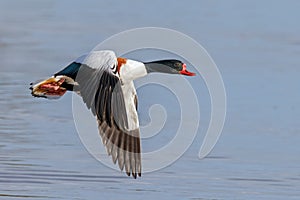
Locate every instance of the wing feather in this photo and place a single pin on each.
(101, 91)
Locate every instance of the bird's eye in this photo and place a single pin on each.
(178, 66)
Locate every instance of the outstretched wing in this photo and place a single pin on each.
(102, 92)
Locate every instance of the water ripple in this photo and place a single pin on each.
(22, 196)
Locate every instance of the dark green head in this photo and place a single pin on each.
(168, 66)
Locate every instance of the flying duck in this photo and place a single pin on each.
(105, 84)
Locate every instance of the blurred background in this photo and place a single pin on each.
(256, 45)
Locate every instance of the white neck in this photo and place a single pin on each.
(132, 70)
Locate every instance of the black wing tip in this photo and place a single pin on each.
(134, 175)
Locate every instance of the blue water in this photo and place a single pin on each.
(256, 46)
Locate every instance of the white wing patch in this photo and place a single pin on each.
(129, 93)
(102, 60)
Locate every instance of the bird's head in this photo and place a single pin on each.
(168, 66)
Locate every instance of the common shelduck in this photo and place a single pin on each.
(105, 84)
